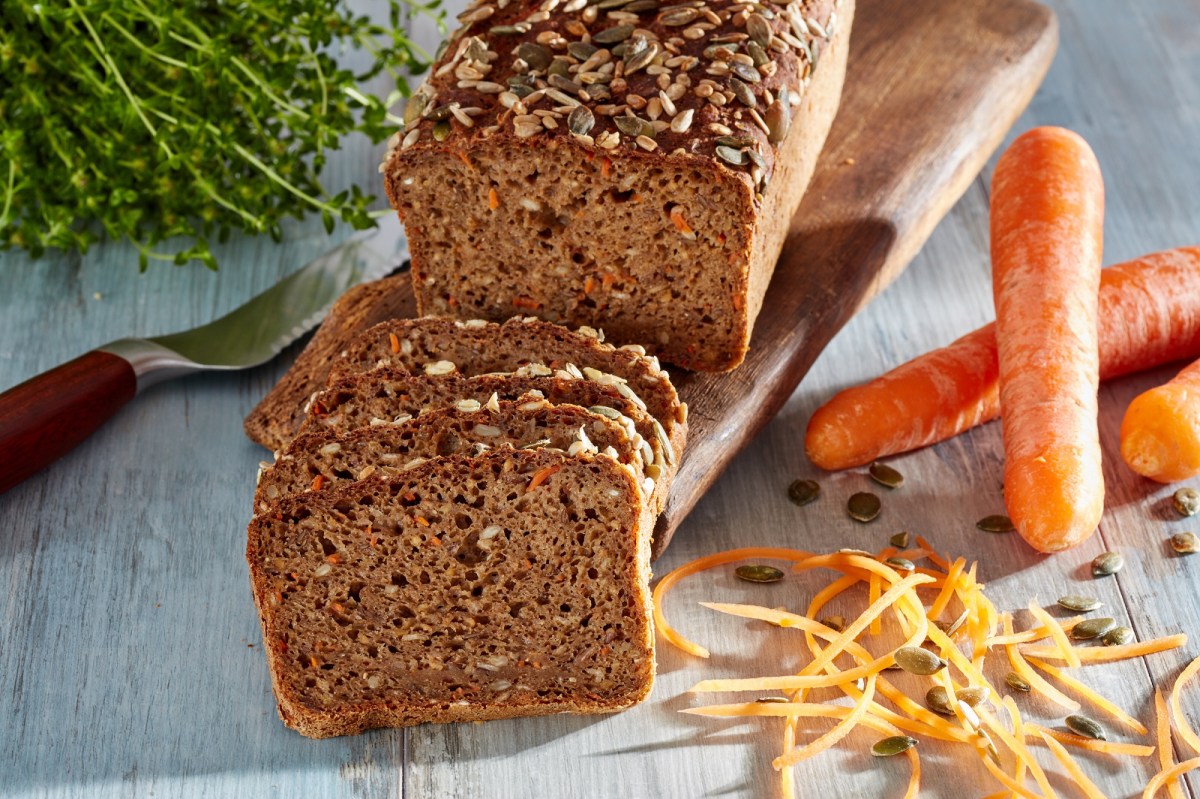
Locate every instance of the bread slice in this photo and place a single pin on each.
(633, 167)
(384, 395)
(325, 459)
(274, 421)
(467, 588)
(437, 346)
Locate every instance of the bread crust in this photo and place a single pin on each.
(805, 58)
(272, 537)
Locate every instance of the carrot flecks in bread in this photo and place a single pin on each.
(464, 617)
(592, 123)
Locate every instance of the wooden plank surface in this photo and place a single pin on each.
(129, 661)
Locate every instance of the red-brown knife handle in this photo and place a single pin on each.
(47, 416)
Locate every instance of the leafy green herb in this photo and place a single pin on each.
(185, 119)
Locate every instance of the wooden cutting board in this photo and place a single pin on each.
(931, 88)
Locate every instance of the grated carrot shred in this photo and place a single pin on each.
(947, 593)
(1069, 763)
(541, 476)
(1032, 634)
(1166, 755)
(873, 589)
(1017, 661)
(394, 341)
(1091, 744)
(840, 731)
(1160, 778)
(703, 564)
(1061, 642)
(1108, 654)
(1092, 696)
(1020, 752)
(1182, 726)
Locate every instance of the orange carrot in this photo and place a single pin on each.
(1160, 434)
(1047, 224)
(1149, 315)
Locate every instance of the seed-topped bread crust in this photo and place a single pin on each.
(384, 395)
(467, 588)
(439, 346)
(642, 159)
(275, 419)
(324, 459)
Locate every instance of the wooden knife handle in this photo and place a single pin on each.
(47, 416)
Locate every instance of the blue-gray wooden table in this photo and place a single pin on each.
(130, 657)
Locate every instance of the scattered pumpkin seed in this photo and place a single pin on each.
(533, 54)
(743, 92)
(1088, 728)
(758, 574)
(441, 130)
(632, 126)
(772, 700)
(640, 6)
(1092, 628)
(938, 698)
(746, 72)
(863, 506)
(759, 30)
(951, 627)
(613, 35)
(581, 120)
(1017, 682)
(757, 54)
(679, 17)
(997, 523)
(581, 50)
(1079, 604)
(833, 622)
(903, 564)
(1118, 636)
(916, 660)
(1185, 543)
(736, 142)
(1186, 501)
(641, 58)
(1107, 563)
(882, 473)
(730, 155)
(504, 30)
(900, 540)
(438, 113)
(897, 744)
(802, 492)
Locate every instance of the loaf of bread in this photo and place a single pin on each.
(514, 583)
(275, 419)
(626, 165)
(324, 459)
(385, 395)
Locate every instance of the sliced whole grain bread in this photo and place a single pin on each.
(510, 584)
(326, 458)
(274, 421)
(382, 395)
(436, 345)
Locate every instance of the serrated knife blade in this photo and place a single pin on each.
(48, 415)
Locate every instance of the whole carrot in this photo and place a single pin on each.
(1149, 315)
(1160, 434)
(1047, 225)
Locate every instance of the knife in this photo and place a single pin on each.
(48, 415)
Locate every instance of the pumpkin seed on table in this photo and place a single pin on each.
(772, 700)
(833, 622)
(1088, 728)
(916, 660)
(903, 564)
(996, 523)
(802, 492)
(897, 744)
(1079, 604)
(1017, 682)
(863, 507)
(1186, 501)
(758, 574)
(1092, 628)
(1107, 563)
(885, 475)
(938, 698)
(1118, 636)
(1185, 543)
(900, 540)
